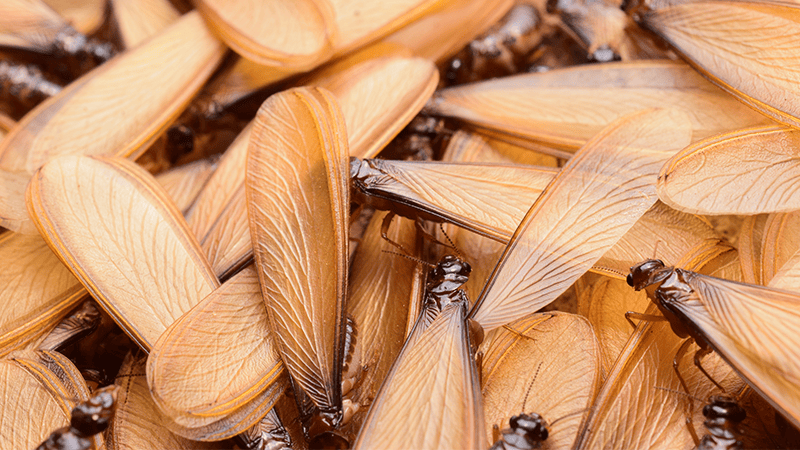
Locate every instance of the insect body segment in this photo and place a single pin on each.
(723, 416)
(526, 432)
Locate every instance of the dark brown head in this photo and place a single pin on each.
(646, 273)
(449, 274)
(724, 408)
(532, 426)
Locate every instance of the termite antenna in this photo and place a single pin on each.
(452, 245)
(674, 391)
(609, 270)
(525, 399)
(417, 260)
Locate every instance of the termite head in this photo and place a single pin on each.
(94, 415)
(449, 274)
(646, 273)
(722, 409)
(532, 426)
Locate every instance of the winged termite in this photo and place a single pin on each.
(137, 20)
(138, 424)
(433, 387)
(227, 334)
(451, 27)
(38, 392)
(520, 376)
(579, 215)
(722, 38)
(491, 200)
(298, 203)
(566, 107)
(710, 310)
(87, 418)
(291, 35)
(712, 177)
(129, 121)
(31, 27)
(122, 271)
(600, 25)
(23, 86)
(501, 50)
(78, 324)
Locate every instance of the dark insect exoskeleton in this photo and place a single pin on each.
(526, 432)
(420, 140)
(267, 434)
(23, 86)
(501, 51)
(88, 418)
(76, 326)
(723, 416)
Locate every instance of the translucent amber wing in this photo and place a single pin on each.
(94, 116)
(488, 199)
(780, 243)
(750, 245)
(85, 16)
(726, 174)
(116, 230)
(219, 215)
(358, 22)
(433, 390)
(747, 48)
(451, 26)
(138, 424)
(184, 183)
(755, 330)
(137, 20)
(297, 201)
(562, 352)
(585, 210)
(289, 34)
(566, 107)
(227, 334)
(379, 98)
(29, 25)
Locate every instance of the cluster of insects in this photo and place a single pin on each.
(220, 222)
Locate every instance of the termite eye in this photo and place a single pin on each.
(629, 279)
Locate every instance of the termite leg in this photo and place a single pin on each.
(430, 237)
(698, 355)
(495, 433)
(387, 221)
(630, 315)
(690, 409)
(690, 426)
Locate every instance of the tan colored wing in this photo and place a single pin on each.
(184, 183)
(451, 27)
(36, 290)
(227, 335)
(562, 352)
(488, 199)
(431, 398)
(589, 206)
(359, 22)
(755, 330)
(566, 107)
(726, 174)
(29, 25)
(138, 424)
(750, 245)
(288, 34)
(780, 242)
(379, 98)
(94, 116)
(297, 201)
(747, 48)
(85, 15)
(380, 294)
(116, 230)
(219, 215)
(664, 233)
(138, 20)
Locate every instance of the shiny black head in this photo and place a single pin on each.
(450, 268)
(94, 415)
(532, 425)
(726, 408)
(644, 274)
